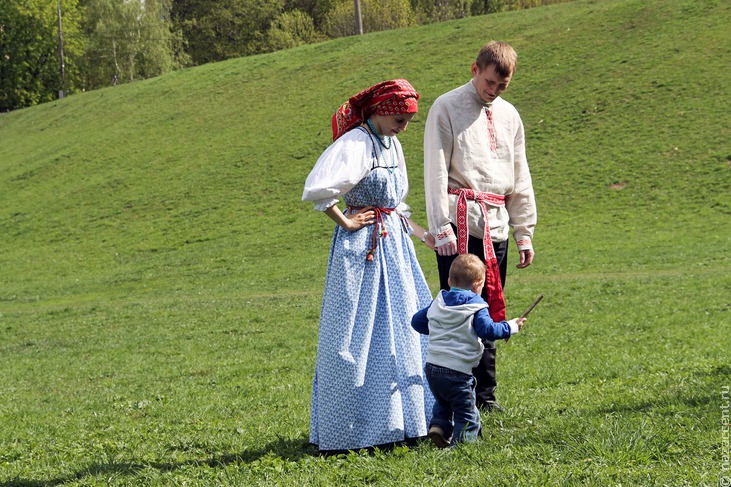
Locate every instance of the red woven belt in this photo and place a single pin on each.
(379, 227)
(495, 297)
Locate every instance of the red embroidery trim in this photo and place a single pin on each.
(491, 129)
(495, 296)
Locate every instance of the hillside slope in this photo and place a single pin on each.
(207, 164)
(161, 281)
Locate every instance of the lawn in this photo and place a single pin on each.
(160, 279)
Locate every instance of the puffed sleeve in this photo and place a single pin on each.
(338, 169)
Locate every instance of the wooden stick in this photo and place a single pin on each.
(530, 308)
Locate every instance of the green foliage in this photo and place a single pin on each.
(291, 29)
(129, 40)
(109, 41)
(103, 40)
(30, 66)
(429, 11)
(492, 6)
(161, 281)
(216, 30)
(377, 15)
(317, 9)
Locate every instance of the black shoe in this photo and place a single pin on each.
(491, 407)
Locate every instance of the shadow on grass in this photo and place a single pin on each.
(291, 450)
(702, 396)
(660, 405)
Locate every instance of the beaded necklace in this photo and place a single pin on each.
(381, 146)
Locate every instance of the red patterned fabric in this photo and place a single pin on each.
(495, 296)
(392, 97)
(491, 129)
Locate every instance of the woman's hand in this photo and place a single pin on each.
(419, 232)
(354, 221)
(431, 242)
(363, 217)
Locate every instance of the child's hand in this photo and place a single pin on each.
(520, 322)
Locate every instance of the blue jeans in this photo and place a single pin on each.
(454, 410)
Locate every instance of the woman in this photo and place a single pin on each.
(369, 387)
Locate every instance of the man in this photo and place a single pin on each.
(478, 185)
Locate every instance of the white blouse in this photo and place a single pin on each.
(348, 160)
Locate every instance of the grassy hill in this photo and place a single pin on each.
(160, 279)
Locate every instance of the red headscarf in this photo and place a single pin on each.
(393, 97)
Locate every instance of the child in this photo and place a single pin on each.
(455, 321)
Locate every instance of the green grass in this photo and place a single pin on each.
(160, 279)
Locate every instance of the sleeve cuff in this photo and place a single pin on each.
(524, 243)
(323, 205)
(513, 327)
(444, 235)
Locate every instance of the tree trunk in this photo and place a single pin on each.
(62, 88)
(358, 19)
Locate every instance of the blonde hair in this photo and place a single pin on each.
(466, 270)
(499, 54)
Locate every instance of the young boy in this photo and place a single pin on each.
(455, 321)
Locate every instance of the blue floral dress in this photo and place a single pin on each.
(369, 387)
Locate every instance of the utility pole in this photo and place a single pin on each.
(358, 19)
(61, 93)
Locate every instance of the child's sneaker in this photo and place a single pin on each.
(436, 435)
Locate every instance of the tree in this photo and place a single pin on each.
(29, 63)
(377, 15)
(317, 9)
(429, 11)
(291, 29)
(128, 40)
(221, 29)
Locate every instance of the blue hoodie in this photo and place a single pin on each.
(455, 321)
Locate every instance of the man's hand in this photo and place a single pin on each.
(526, 257)
(449, 248)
